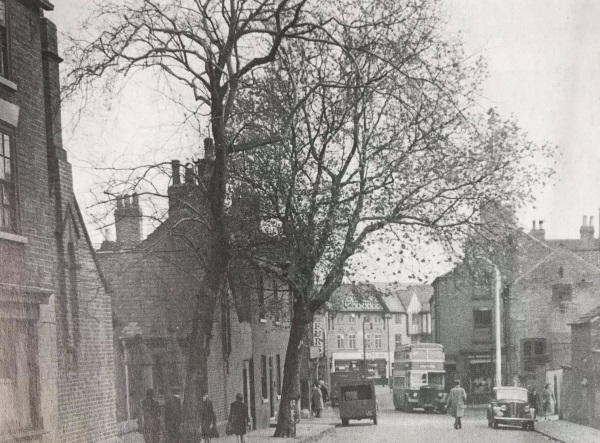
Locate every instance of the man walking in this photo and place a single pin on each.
(172, 416)
(149, 418)
(456, 403)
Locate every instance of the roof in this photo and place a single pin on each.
(357, 297)
(588, 317)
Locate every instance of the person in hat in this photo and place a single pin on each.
(208, 419)
(149, 418)
(238, 418)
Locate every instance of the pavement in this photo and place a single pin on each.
(567, 432)
(307, 430)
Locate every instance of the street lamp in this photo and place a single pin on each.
(365, 320)
(497, 283)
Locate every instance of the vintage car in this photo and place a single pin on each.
(510, 406)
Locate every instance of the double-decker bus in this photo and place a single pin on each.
(419, 377)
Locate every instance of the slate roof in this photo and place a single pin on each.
(588, 316)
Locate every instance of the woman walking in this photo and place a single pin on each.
(456, 403)
(547, 401)
(238, 418)
(317, 398)
(208, 419)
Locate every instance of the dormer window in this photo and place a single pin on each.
(561, 272)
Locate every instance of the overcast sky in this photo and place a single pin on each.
(544, 67)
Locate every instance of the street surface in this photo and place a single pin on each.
(397, 426)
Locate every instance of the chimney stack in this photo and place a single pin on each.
(128, 222)
(587, 233)
(538, 231)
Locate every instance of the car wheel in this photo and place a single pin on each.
(428, 410)
(408, 406)
(494, 424)
(489, 423)
(532, 426)
(374, 420)
(344, 422)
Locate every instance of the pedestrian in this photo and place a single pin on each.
(317, 398)
(208, 419)
(238, 418)
(456, 403)
(172, 416)
(533, 399)
(324, 391)
(547, 401)
(149, 418)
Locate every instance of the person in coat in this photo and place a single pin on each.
(547, 401)
(238, 418)
(317, 398)
(533, 399)
(208, 419)
(324, 391)
(172, 417)
(149, 418)
(456, 403)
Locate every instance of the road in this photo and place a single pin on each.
(396, 426)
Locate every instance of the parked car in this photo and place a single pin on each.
(357, 401)
(509, 406)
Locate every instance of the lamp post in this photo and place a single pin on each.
(497, 283)
(365, 320)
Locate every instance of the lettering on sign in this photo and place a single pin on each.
(318, 339)
(362, 305)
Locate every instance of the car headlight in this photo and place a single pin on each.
(414, 394)
(526, 409)
(503, 408)
(440, 394)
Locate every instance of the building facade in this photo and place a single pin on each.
(56, 355)
(364, 323)
(549, 285)
(155, 283)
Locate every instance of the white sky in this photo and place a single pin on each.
(544, 67)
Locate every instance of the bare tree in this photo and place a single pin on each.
(385, 141)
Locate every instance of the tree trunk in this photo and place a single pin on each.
(196, 379)
(291, 372)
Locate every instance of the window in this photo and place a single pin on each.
(19, 387)
(3, 40)
(367, 341)
(263, 376)
(482, 318)
(415, 324)
(534, 353)
(376, 319)
(261, 297)
(278, 367)
(331, 322)
(352, 318)
(398, 338)
(377, 341)
(72, 305)
(352, 341)
(398, 318)
(562, 292)
(340, 341)
(7, 184)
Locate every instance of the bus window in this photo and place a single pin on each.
(418, 354)
(436, 354)
(418, 379)
(399, 382)
(436, 378)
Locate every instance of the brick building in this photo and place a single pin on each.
(581, 382)
(56, 355)
(155, 284)
(375, 318)
(552, 282)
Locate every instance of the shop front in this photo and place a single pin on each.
(481, 378)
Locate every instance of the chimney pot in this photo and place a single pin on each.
(592, 221)
(533, 225)
(189, 173)
(541, 224)
(209, 149)
(584, 220)
(135, 201)
(127, 201)
(119, 202)
(175, 166)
